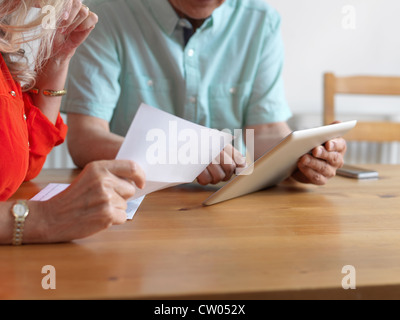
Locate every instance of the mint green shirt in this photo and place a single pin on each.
(227, 76)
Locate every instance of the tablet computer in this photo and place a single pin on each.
(278, 163)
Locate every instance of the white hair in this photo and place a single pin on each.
(16, 30)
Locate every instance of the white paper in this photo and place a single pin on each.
(133, 206)
(50, 191)
(170, 150)
(54, 189)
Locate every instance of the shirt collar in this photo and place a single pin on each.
(219, 15)
(169, 20)
(164, 14)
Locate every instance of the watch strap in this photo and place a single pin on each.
(18, 231)
(19, 224)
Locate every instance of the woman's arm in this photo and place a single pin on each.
(6, 223)
(52, 76)
(96, 200)
(33, 228)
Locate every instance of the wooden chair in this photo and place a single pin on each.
(363, 85)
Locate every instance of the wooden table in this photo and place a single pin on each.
(289, 242)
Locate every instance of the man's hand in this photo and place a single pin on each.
(223, 168)
(321, 165)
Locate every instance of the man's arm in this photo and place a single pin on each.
(267, 136)
(317, 168)
(90, 139)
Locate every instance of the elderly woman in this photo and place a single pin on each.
(30, 126)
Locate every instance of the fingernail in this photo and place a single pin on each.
(240, 161)
(306, 161)
(318, 152)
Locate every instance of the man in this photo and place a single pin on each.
(214, 62)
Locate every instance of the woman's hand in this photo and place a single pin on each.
(96, 200)
(78, 22)
(71, 33)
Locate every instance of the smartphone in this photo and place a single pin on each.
(357, 172)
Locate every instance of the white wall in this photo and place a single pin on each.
(319, 37)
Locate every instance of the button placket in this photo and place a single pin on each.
(190, 53)
(192, 79)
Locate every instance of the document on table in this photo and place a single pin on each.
(53, 189)
(50, 191)
(170, 150)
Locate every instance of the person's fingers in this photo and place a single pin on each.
(217, 173)
(316, 170)
(123, 188)
(235, 156)
(204, 178)
(110, 196)
(119, 216)
(240, 160)
(124, 169)
(82, 15)
(310, 174)
(228, 165)
(88, 23)
(333, 152)
(335, 159)
(76, 6)
(223, 166)
(322, 167)
(337, 145)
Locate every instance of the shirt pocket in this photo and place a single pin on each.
(227, 104)
(156, 92)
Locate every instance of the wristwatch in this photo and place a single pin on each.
(20, 210)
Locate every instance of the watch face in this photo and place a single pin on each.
(20, 210)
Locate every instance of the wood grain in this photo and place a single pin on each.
(288, 242)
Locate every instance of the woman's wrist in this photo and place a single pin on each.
(36, 230)
(53, 68)
(48, 92)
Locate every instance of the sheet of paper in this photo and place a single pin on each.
(170, 150)
(133, 206)
(54, 189)
(50, 191)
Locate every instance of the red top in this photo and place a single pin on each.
(26, 135)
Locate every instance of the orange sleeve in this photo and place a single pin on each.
(43, 136)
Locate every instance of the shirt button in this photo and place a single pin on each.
(232, 90)
(13, 93)
(150, 83)
(25, 117)
(191, 53)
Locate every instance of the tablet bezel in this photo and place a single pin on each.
(278, 163)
